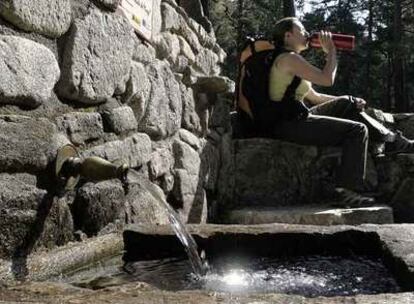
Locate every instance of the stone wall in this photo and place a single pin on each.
(74, 72)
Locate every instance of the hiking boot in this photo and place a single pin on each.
(346, 198)
(401, 144)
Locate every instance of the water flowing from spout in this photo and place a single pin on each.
(198, 264)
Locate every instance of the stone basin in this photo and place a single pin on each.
(394, 243)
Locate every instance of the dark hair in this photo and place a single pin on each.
(281, 27)
(251, 39)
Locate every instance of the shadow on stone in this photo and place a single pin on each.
(19, 257)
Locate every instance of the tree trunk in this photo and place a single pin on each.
(240, 24)
(369, 52)
(398, 60)
(289, 9)
(388, 101)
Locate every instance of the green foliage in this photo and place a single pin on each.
(232, 24)
(367, 72)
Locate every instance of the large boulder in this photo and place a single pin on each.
(28, 144)
(29, 218)
(220, 53)
(161, 163)
(200, 28)
(175, 22)
(190, 118)
(190, 139)
(80, 8)
(156, 17)
(81, 127)
(185, 50)
(207, 39)
(206, 61)
(144, 53)
(98, 205)
(189, 194)
(164, 110)
(271, 172)
(29, 72)
(120, 120)
(138, 90)
(167, 46)
(134, 150)
(145, 203)
(48, 17)
(97, 58)
(186, 157)
(7, 29)
(215, 84)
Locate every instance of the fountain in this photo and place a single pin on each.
(243, 260)
(70, 168)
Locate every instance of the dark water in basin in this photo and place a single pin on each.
(309, 276)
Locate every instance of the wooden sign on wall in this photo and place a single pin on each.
(139, 14)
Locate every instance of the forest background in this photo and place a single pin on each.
(380, 69)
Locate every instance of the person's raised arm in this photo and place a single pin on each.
(297, 65)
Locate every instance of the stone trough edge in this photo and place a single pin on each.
(45, 265)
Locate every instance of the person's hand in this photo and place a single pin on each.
(327, 44)
(359, 103)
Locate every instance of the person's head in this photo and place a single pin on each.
(290, 33)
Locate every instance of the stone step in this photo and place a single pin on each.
(311, 215)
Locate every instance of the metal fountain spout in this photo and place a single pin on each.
(70, 168)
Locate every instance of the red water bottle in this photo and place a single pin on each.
(341, 41)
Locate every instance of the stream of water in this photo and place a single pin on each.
(199, 265)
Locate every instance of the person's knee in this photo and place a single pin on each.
(360, 130)
(357, 133)
(344, 107)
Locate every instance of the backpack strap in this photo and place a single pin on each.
(252, 46)
(291, 89)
